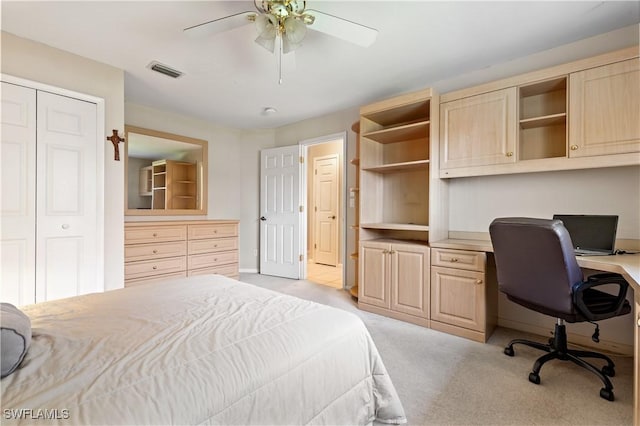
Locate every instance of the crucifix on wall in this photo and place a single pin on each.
(115, 140)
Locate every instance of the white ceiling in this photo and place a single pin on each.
(229, 79)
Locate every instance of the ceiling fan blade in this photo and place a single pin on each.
(342, 28)
(220, 25)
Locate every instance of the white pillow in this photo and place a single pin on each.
(15, 327)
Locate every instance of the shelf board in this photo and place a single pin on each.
(183, 196)
(414, 111)
(354, 189)
(354, 256)
(355, 161)
(396, 226)
(407, 132)
(398, 167)
(547, 120)
(184, 181)
(355, 227)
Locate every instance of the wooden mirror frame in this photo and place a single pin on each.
(166, 212)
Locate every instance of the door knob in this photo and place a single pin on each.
(263, 218)
(65, 226)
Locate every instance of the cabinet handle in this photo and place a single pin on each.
(65, 226)
(155, 267)
(639, 321)
(478, 281)
(454, 259)
(574, 147)
(155, 251)
(509, 154)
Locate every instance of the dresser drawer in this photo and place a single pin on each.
(199, 232)
(154, 251)
(146, 268)
(212, 259)
(154, 279)
(212, 245)
(459, 259)
(137, 235)
(230, 270)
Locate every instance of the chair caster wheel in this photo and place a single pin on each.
(606, 394)
(608, 371)
(535, 378)
(509, 351)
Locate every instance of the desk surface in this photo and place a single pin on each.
(628, 265)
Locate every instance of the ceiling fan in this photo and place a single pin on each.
(283, 24)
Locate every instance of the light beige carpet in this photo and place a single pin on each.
(447, 380)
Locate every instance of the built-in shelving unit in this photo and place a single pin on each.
(174, 185)
(355, 196)
(543, 119)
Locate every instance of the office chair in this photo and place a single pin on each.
(537, 268)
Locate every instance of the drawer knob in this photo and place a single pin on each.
(155, 251)
(215, 245)
(155, 267)
(155, 235)
(509, 154)
(574, 147)
(454, 259)
(478, 281)
(215, 260)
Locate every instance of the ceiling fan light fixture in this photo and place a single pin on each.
(267, 43)
(294, 30)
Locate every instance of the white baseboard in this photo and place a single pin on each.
(248, 271)
(576, 339)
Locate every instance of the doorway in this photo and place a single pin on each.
(324, 195)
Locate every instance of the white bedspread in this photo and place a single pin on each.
(200, 350)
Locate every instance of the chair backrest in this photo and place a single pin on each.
(535, 263)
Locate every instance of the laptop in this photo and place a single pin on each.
(592, 235)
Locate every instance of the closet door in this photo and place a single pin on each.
(66, 230)
(18, 198)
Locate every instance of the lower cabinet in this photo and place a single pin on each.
(155, 251)
(394, 279)
(463, 293)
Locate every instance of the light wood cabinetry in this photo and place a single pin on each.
(463, 293)
(145, 182)
(355, 196)
(636, 374)
(395, 279)
(479, 130)
(174, 185)
(605, 106)
(159, 250)
(573, 116)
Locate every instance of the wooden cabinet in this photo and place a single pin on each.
(145, 182)
(463, 293)
(636, 374)
(604, 108)
(354, 195)
(159, 250)
(174, 185)
(395, 280)
(479, 130)
(573, 116)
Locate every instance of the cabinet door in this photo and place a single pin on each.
(604, 106)
(410, 279)
(374, 273)
(457, 297)
(479, 130)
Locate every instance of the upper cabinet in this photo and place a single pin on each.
(479, 130)
(605, 106)
(574, 116)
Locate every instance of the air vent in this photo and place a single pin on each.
(163, 69)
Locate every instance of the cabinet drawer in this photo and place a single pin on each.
(154, 267)
(212, 245)
(212, 259)
(198, 232)
(135, 235)
(154, 279)
(459, 259)
(230, 270)
(154, 251)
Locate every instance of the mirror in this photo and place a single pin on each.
(165, 174)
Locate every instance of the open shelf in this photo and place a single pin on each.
(547, 120)
(398, 115)
(416, 130)
(398, 167)
(395, 226)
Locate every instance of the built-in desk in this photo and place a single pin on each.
(627, 265)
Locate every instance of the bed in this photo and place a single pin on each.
(198, 350)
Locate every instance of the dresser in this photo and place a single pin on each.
(155, 251)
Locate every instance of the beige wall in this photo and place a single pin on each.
(43, 64)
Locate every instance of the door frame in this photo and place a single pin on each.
(100, 153)
(342, 240)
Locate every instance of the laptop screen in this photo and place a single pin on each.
(593, 232)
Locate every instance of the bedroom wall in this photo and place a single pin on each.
(41, 63)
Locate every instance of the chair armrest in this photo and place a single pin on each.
(586, 290)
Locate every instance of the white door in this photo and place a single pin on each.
(18, 198)
(66, 182)
(279, 212)
(325, 181)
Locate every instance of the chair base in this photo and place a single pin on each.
(557, 349)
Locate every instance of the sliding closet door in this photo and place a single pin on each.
(17, 226)
(67, 226)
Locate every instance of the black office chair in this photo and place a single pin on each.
(537, 268)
